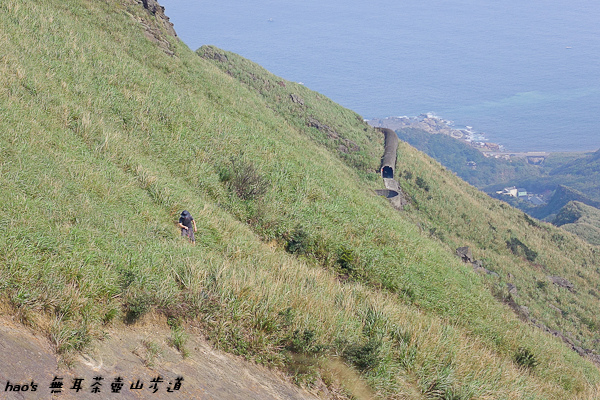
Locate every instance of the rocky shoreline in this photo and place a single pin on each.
(435, 125)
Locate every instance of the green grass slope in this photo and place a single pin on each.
(522, 251)
(105, 137)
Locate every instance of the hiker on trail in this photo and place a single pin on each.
(187, 223)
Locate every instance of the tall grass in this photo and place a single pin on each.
(105, 138)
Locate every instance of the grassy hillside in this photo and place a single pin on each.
(524, 252)
(106, 136)
(490, 174)
(581, 220)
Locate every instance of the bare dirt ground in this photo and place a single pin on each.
(141, 356)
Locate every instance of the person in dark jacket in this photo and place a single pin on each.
(187, 225)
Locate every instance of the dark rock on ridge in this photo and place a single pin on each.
(315, 123)
(159, 12)
(590, 354)
(297, 99)
(157, 26)
(466, 256)
(344, 146)
(562, 282)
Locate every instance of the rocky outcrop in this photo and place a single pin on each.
(562, 282)
(344, 145)
(297, 99)
(315, 123)
(213, 53)
(466, 255)
(587, 353)
(523, 312)
(156, 24)
(159, 12)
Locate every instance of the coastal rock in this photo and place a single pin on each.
(435, 125)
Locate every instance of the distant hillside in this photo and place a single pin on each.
(584, 174)
(491, 174)
(587, 166)
(581, 173)
(468, 162)
(111, 127)
(581, 220)
(562, 196)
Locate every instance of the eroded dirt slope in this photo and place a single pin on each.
(142, 353)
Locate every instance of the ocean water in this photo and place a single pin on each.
(524, 73)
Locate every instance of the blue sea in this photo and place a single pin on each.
(526, 74)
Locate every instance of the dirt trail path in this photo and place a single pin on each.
(135, 353)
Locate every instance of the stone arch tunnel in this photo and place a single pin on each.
(392, 190)
(388, 161)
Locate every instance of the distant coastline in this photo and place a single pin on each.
(434, 124)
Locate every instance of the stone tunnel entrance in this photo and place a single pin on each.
(387, 172)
